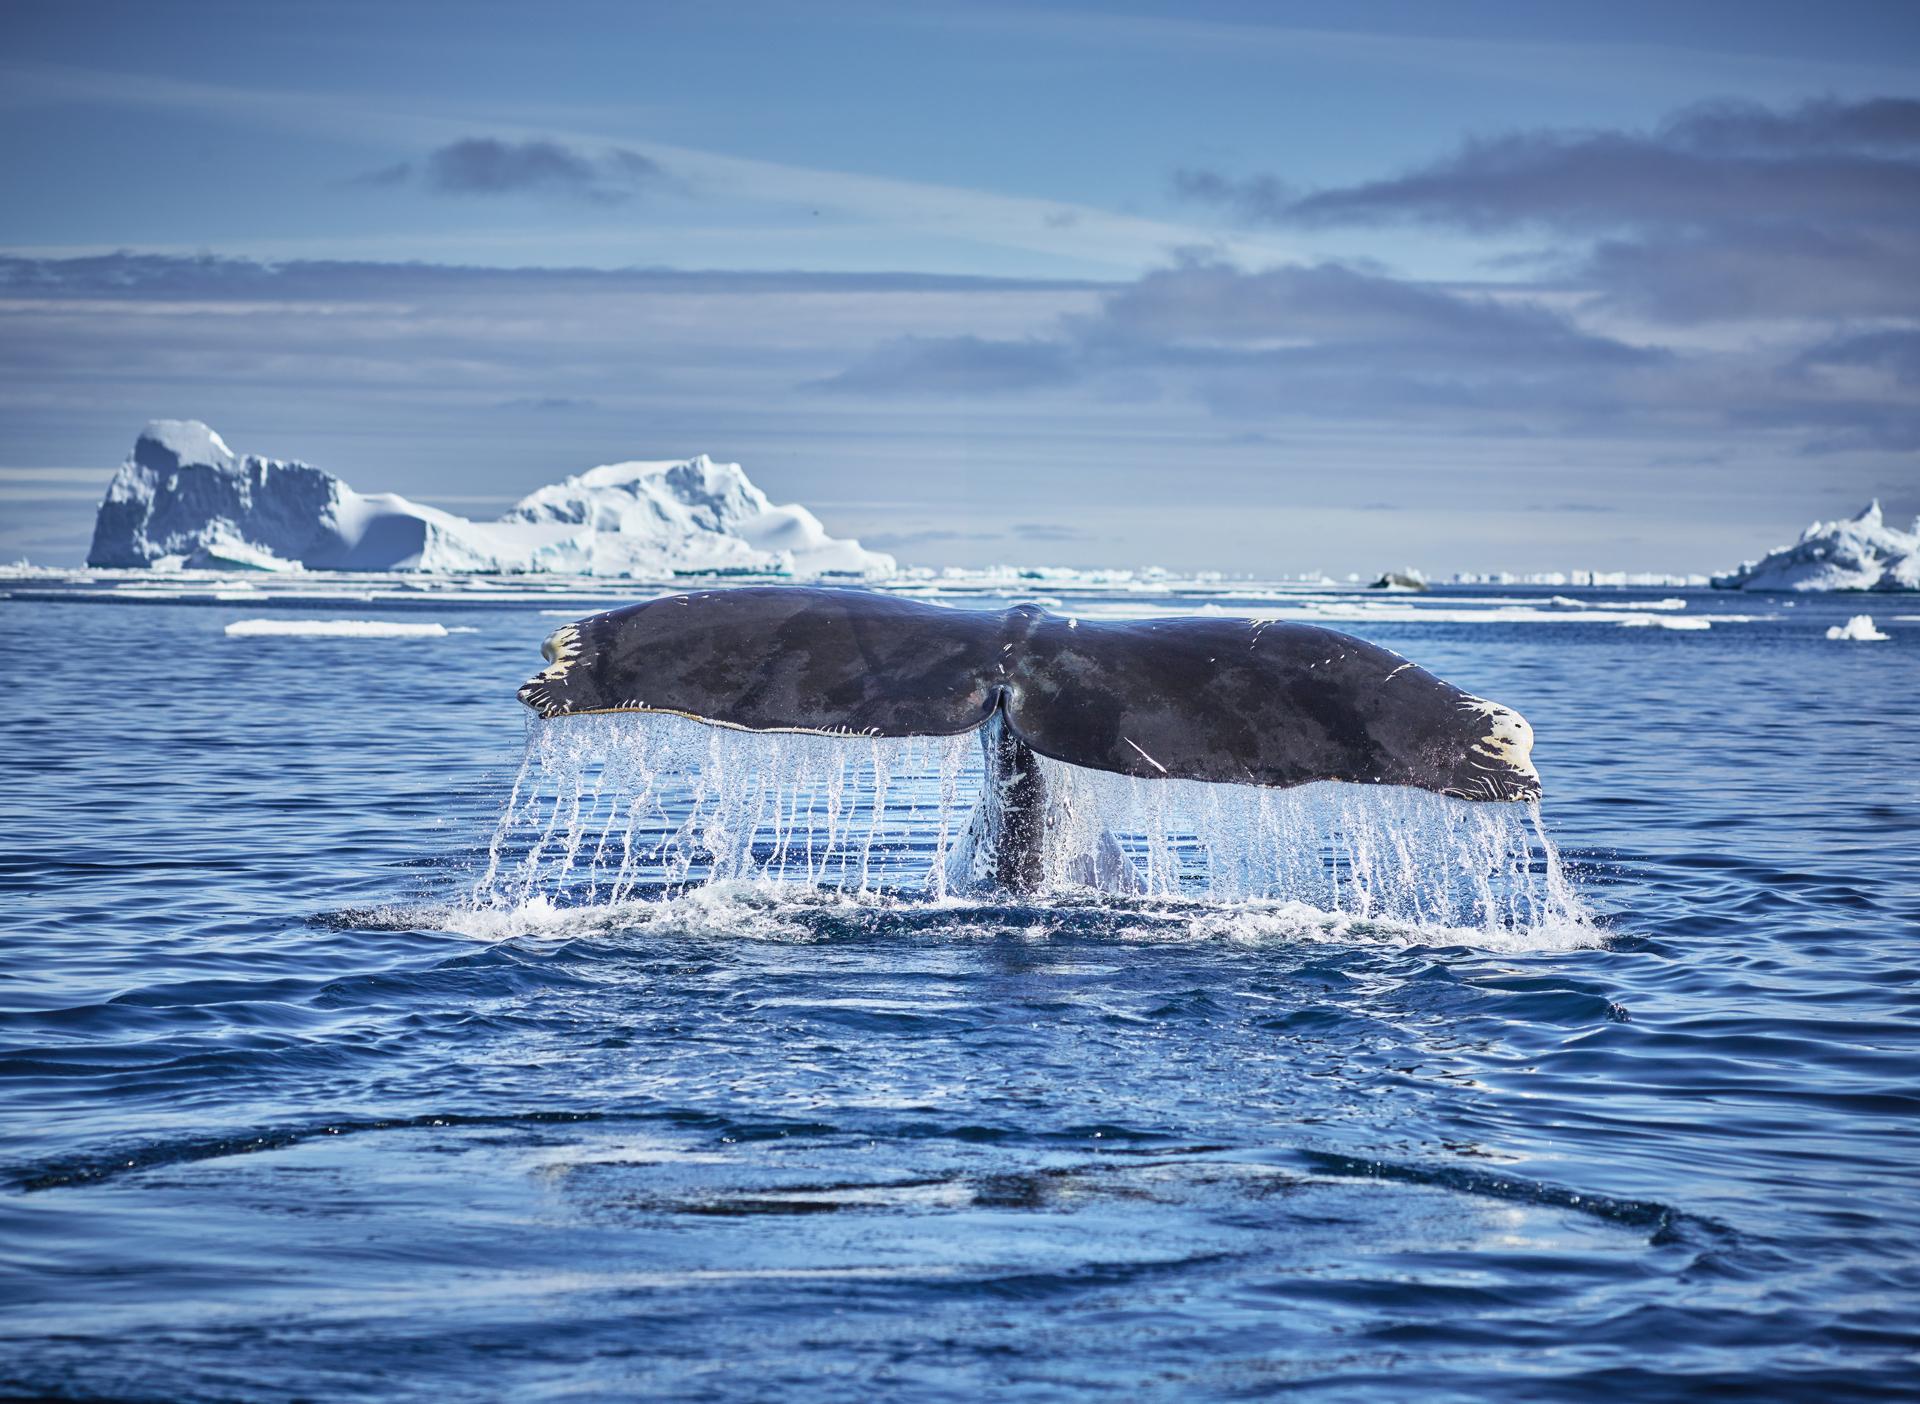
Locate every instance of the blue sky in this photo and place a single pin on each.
(1263, 288)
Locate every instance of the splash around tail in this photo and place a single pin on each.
(614, 820)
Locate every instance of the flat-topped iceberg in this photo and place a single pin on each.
(185, 499)
(1861, 553)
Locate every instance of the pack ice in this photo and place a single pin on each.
(184, 499)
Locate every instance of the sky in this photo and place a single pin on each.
(1261, 288)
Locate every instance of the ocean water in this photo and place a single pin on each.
(359, 1040)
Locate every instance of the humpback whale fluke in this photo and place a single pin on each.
(1255, 703)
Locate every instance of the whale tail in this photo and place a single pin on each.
(1236, 701)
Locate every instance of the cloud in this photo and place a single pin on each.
(1784, 269)
(1893, 353)
(1291, 393)
(1301, 313)
(489, 166)
(549, 403)
(1724, 211)
(1047, 531)
(957, 365)
(567, 353)
(152, 275)
(1038, 532)
(397, 174)
(1320, 339)
(1826, 124)
(1257, 199)
(1329, 343)
(1703, 166)
(928, 536)
(1558, 507)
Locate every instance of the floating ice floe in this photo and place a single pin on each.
(184, 500)
(1566, 602)
(1858, 629)
(1861, 553)
(1655, 621)
(335, 629)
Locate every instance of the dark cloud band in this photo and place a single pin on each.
(489, 166)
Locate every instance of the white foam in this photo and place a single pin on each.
(1858, 629)
(334, 629)
(785, 914)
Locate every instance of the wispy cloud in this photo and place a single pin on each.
(549, 404)
(490, 166)
(1048, 531)
(925, 536)
(958, 365)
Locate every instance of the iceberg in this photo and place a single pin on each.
(185, 500)
(1860, 553)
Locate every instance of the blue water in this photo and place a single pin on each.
(289, 1112)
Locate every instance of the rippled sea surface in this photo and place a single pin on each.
(290, 1113)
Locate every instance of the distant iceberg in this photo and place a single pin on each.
(184, 499)
(1862, 553)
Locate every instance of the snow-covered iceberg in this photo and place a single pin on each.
(1861, 553)
(185, 499)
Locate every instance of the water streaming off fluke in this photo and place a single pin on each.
(611, 809)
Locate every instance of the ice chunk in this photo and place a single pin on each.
(1656, 621)
(332, 629)
(1859, 629)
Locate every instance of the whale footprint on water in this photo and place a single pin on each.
(1252, 703)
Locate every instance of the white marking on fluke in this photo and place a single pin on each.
(1149, 759)
(1508, 740)
(560, 649)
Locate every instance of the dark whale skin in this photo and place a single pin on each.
(1200, 698)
